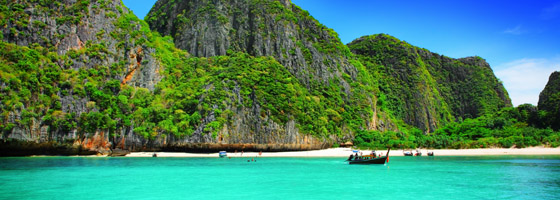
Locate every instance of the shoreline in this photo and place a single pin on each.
(345, 152)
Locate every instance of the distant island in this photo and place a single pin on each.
(89, 77)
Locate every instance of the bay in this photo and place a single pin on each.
(453, 177)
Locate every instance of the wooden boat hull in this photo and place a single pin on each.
(365, 160)
(119, 152)
(380, 160)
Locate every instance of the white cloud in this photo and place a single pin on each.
(551, 12)
(525, 78)
(518, 30)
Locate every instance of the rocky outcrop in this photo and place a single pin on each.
(428, 90)
(81, 36)
(549, 100)
(248, 130)
(82, 77)
(83, 26)
(26, 148)
(311, 52)
(277, 28)
(104, 56)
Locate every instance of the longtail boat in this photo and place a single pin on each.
(370, 159)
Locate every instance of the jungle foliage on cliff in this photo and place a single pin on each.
(459, 101)
(549, 101)
(428, 90)
(519, 127)
(92, 86)
(338, 92)
(69, 70)
(77, 89)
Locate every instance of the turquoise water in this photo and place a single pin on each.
(488, 177)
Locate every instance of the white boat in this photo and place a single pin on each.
(223, 154)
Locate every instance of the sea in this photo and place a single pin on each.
(438, 177)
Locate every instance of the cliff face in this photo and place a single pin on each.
(425, 89)
(82, 77)
(90, 77)
(56, 56)
(549, 100)
(340, 97)
(91, 34)
(310, 51)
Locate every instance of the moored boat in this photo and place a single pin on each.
(369, 159)
(407, 153)
(119, 152)
(222, 154)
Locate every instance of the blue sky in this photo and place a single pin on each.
(520, 39)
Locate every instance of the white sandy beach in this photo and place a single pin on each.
(345, 152)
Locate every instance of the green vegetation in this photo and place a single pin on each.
(349, 99)
(427, 90)
(549, 101)
(34, 86)
(44, 88)
(510, 127)
(387, 81)
(469, 105)
(192, 89)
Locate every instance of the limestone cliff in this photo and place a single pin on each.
(309, 50)
(83, 77)
(428, 90)
(334, 81)
(549, 101)
(55, 56)
(89, 75)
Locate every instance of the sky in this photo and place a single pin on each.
(520, 39)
